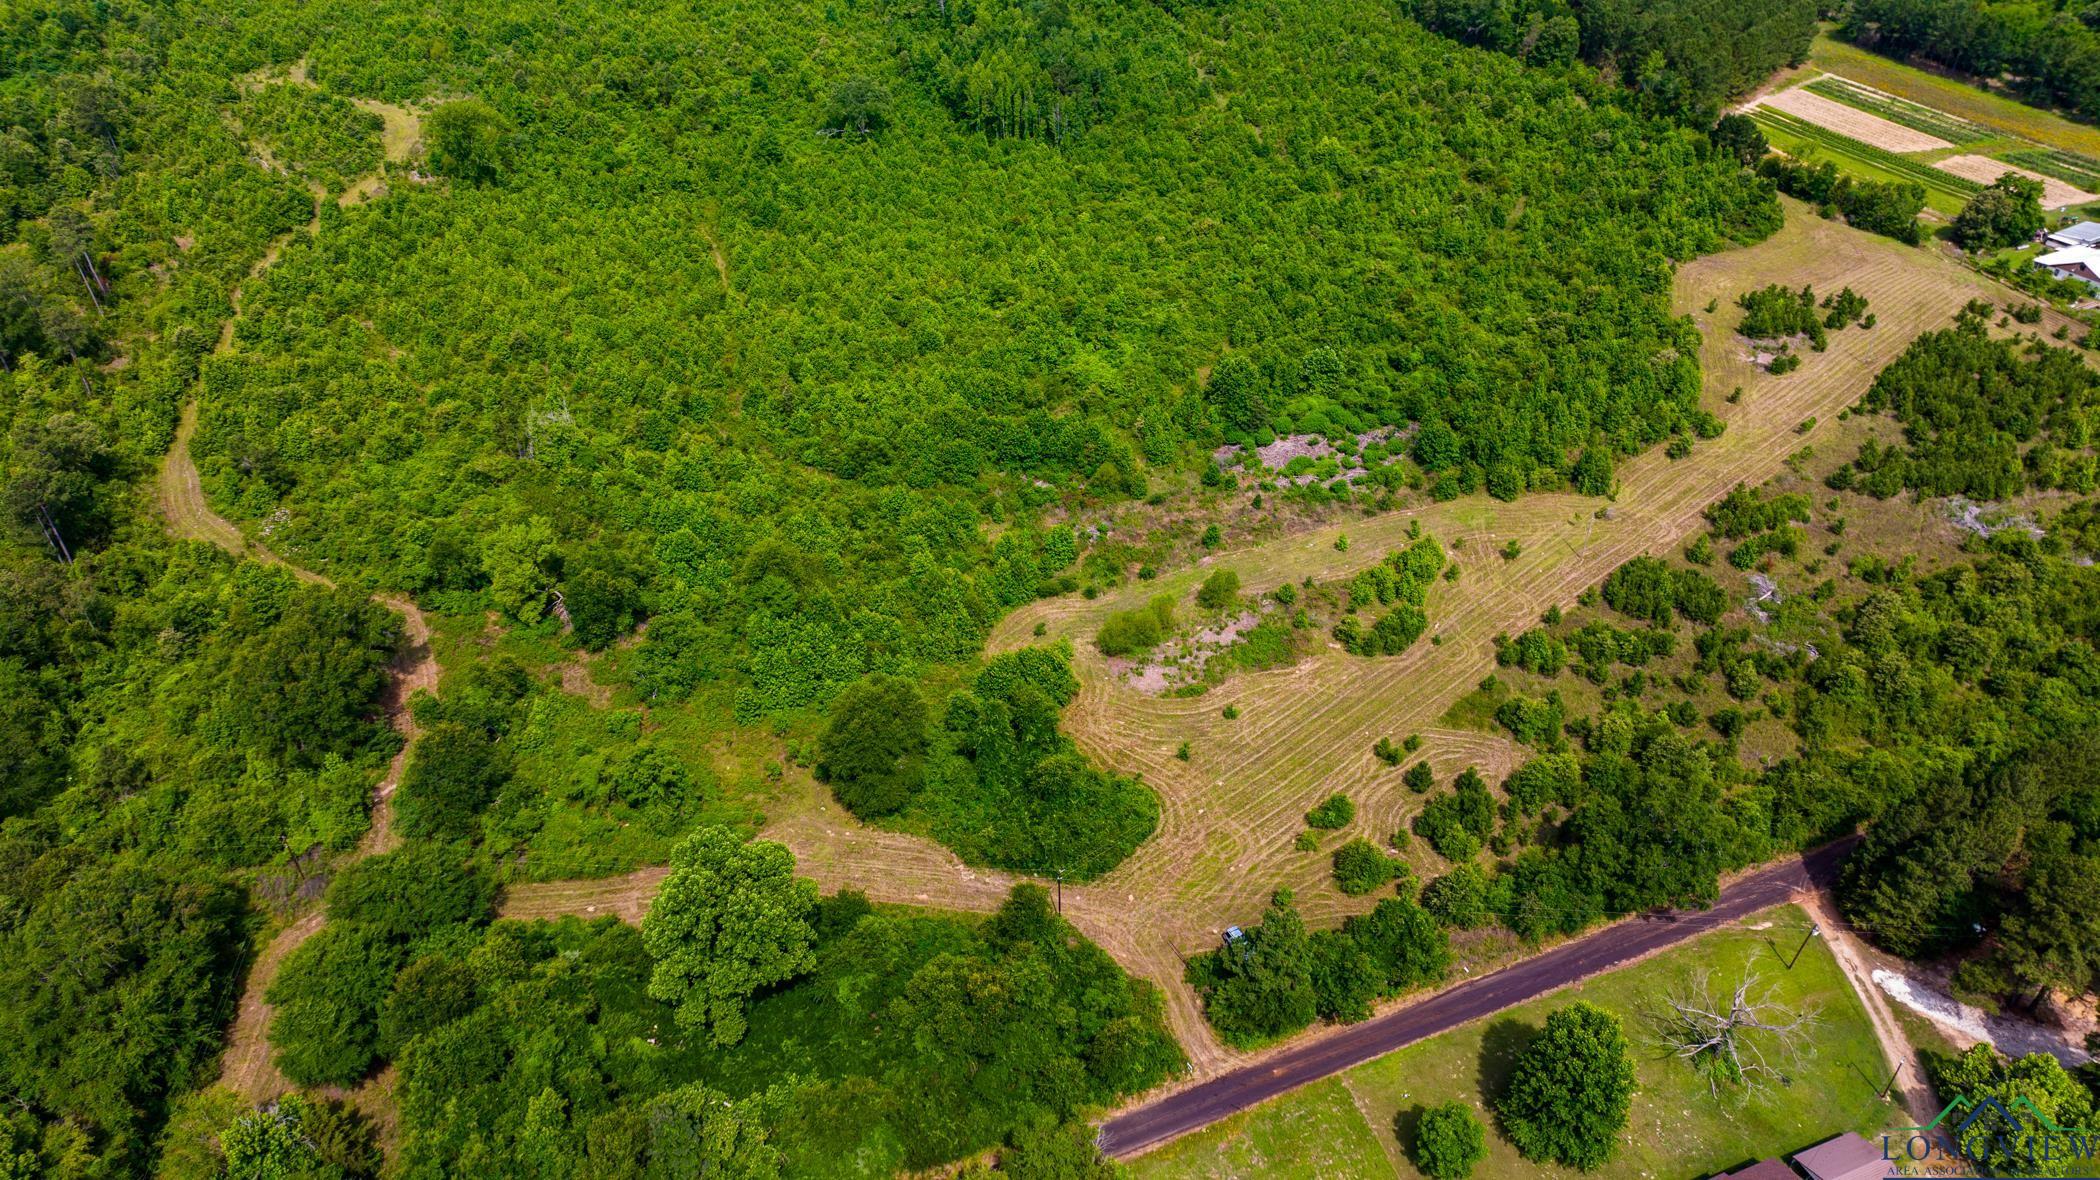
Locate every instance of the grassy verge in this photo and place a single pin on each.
(1678, 1128)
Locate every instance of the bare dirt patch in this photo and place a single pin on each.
(1851, 122)
(1984, 170)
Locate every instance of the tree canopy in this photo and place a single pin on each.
(731, 918)
(1570, 1094)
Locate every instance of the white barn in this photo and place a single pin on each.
(2077, 262)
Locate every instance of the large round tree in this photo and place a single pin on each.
(1572, 1090)
(731, 918)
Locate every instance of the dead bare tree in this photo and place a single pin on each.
(1740, 1038)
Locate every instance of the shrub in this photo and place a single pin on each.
(327, 996)
(1136, 631)
(1570, 1094)
(873, 753)
(1404, 941)
(1219, 590)
(1333, 812)
(1360, 868)
(411, 891)
(1458, 899)
(1344, 979)
(453, 773)
(1457, 824)
(1777, 311)
(1420, 777)
(1262, 986)
(1449, 1142)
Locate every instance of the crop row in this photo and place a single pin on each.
(1915, 116)
(1846, 146)
(2070, 167)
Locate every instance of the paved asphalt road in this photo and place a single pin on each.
(1201, 1105)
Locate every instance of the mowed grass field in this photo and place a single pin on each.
(1360, 1124)
(1230, 813)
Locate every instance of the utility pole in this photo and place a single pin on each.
(1060, 892)
(1813, 931)
(1885, 1090)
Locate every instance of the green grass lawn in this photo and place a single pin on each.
(1314, 1133)
(1358, 1125)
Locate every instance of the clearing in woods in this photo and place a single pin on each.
(1229, 814)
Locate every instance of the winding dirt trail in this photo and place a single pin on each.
(246, 1067)
(1229, 814)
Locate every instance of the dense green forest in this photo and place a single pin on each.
(185, 736)
(910, 1039)
(2049, 53)
(1682, 58)
(804, 336)
(530, 379)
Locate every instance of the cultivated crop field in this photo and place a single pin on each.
(1984, 170)
(1877, 134)
(1852, 122)
(1916, 116)
(2004, 117)
(1944, 191)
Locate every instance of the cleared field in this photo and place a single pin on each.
(1984, 170)
(1229, 814)
(1953, 97)
(1677, 1129)
(1852, 122)
(1913, 115)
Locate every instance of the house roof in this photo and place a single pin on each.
(1762, 1170)
(1847, 1157)
(2085, 233)
(2069, 257)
